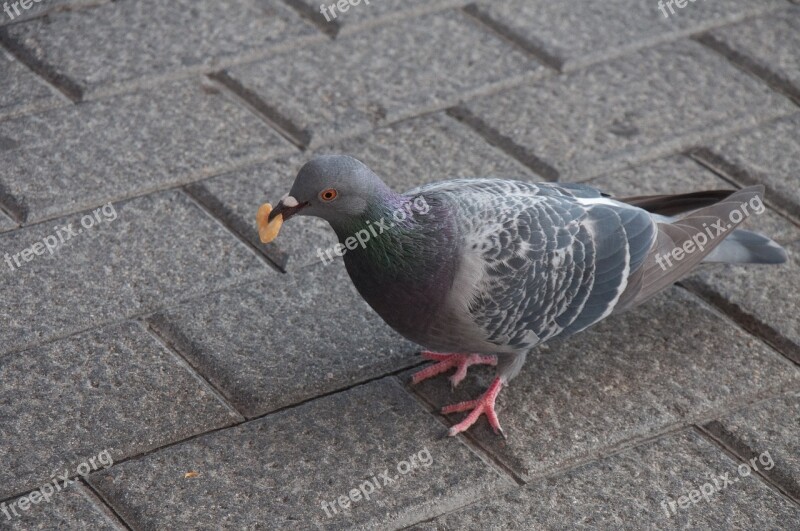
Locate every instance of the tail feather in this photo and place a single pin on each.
(747, 247)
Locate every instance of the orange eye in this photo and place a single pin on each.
(328, 195)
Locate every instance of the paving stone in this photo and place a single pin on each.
(367, 13)
(330, 90)
(6, 223)
(596, 120)
(40, 8)
(772, 428)
(767, 45)
(73, 508)
(249, 475)
(762, 298)
(84, 155)
(160, 249)
(667, 363)
(626, 491)
(147, 41)
(406, 154)
(765, 155)
(20, 92)
(115, 389)
(274, 344)
(573, 33)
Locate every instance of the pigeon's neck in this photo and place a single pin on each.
(387, 210)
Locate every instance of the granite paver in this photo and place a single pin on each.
(6, 223)
(574, 33)
(762, 155)
(274, 344)
(160, 249)
(406, 154)
(81, 156)
(670, 362)
(150, 40)
(625, 111)
(74, 508)
(21, 92)
(367, 13)
(765, 45)
(114, 389)
(772, 426)
(252, 475)
(329, 90)
(40, 8)
(627, 490)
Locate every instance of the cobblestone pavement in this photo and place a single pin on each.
(161, 369)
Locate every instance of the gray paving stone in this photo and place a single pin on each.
(762, 298)
(150, 40)
(114, 389)
(406, 154)
(626, 491)
(81, 156)
(626, 111)
(771, 427)
(766, 45)
(330, 90)
(42, 7)
(367, 13)
(573, 33)
(6, 223)
(665, 364)
(160, 249)
(274, 344)
(21, 91)
(278, 471)
(73, 508)
(765, 155)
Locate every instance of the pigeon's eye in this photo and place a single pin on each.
(328, 195)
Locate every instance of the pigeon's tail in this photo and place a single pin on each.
(746, 247)
(706, 232)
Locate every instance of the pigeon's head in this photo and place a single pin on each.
(335, 188)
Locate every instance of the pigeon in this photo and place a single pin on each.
(491, 268)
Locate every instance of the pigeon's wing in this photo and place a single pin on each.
(540, 260)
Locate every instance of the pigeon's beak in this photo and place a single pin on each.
(269, 221)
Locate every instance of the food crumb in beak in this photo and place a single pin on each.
(268, 230)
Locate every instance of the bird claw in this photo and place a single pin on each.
(482, 406)
(444, 362)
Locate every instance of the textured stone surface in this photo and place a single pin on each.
(114, 389)
(626, 491)
(149, 40)
(42, 7)
(625, 111)
(6, 223)
(74, 508)
(667, 363)
(160, 248)
(406, 154)
(383, 75)
(763, 298)
(368, 13)
(82, 156)
(766, 155)
(767, 45)
(575, 33)
(772, 426)
(273, 344)
(21, 92)
(251, 475)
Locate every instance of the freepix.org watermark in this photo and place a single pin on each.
(418, 205)
(49, 244)
(12, 8)
(55, 485)
(699, 241)
(329, 11)
(367, 488)
(663, 5)
(708, 490)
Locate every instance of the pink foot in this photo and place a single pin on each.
(483, 405)
(448, 361)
